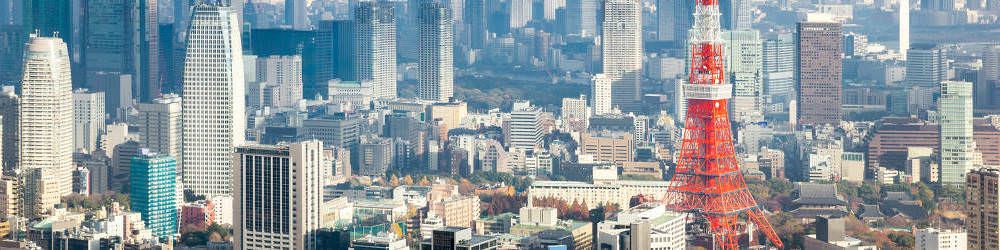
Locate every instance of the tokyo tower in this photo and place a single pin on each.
(707, 181)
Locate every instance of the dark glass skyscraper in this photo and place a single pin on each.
(123, 37)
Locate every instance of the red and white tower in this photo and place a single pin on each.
(707, 181)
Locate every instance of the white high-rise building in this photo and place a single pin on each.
(525, 126)
(520, 13)
(282, 80)
(286, 221)
(779, 66)
(46, 122)
(622, 51)
(582, 17)
(160, 126)
(904, 27)
(436, 48)
(88, 119)
(744, 67)
(214, 108)
(957, 144)
(601, 94)
(375, 46)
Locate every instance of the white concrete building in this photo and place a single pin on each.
(436, 60)
(520, 13)
(600, 97)
(287, 221)
(525, 125)
(648, 226)
(282, 80)
(744, 67)
(622, 51)
(375, 41)
(934, 239)
(160, 126)
(214, 108)
(615, 192)
(47, 121)
(88, 119)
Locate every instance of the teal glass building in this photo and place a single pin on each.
(153, 193)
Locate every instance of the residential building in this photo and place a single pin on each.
(153, 192)
(290, 220)
(47, 116)
(981, 204)
(818, 72)
(601, 94)
(622, 51)
(10, 198)
(436, 57)
(375, 46)
(213, 107)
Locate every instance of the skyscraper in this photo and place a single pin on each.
(581, 17)
(520, 13)
(436, 49)
(10, 135)
(674, 18)
(334, 51)
(926, 65)
(283, 76)
(622, 51)
(160, 126)
(375, 47)
(123, 37)
(88, 119)
(49, 17)
(47, 121)
(745, 71)
(153, 192)
(295, 14)
(475, 17)
(904, 27)
(735, 14)
(819, 72)
(213, 104)
(957, 144)
(277, 195)
(779, 66)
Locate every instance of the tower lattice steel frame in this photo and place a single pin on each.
(707, 182)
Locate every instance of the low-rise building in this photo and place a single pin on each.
(646, 226)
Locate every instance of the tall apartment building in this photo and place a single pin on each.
(277, 196)
(819, 72)
(581, 17)
(956, 136)
(436, 60)
(744, 67)
(622, 51)
(47, 122)
(982, 206)
(375, 46)
(926, 65)
(10, 135)
(525, 126)
(213, 107)
(153, 192)
(88, 119)
(779, 66)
